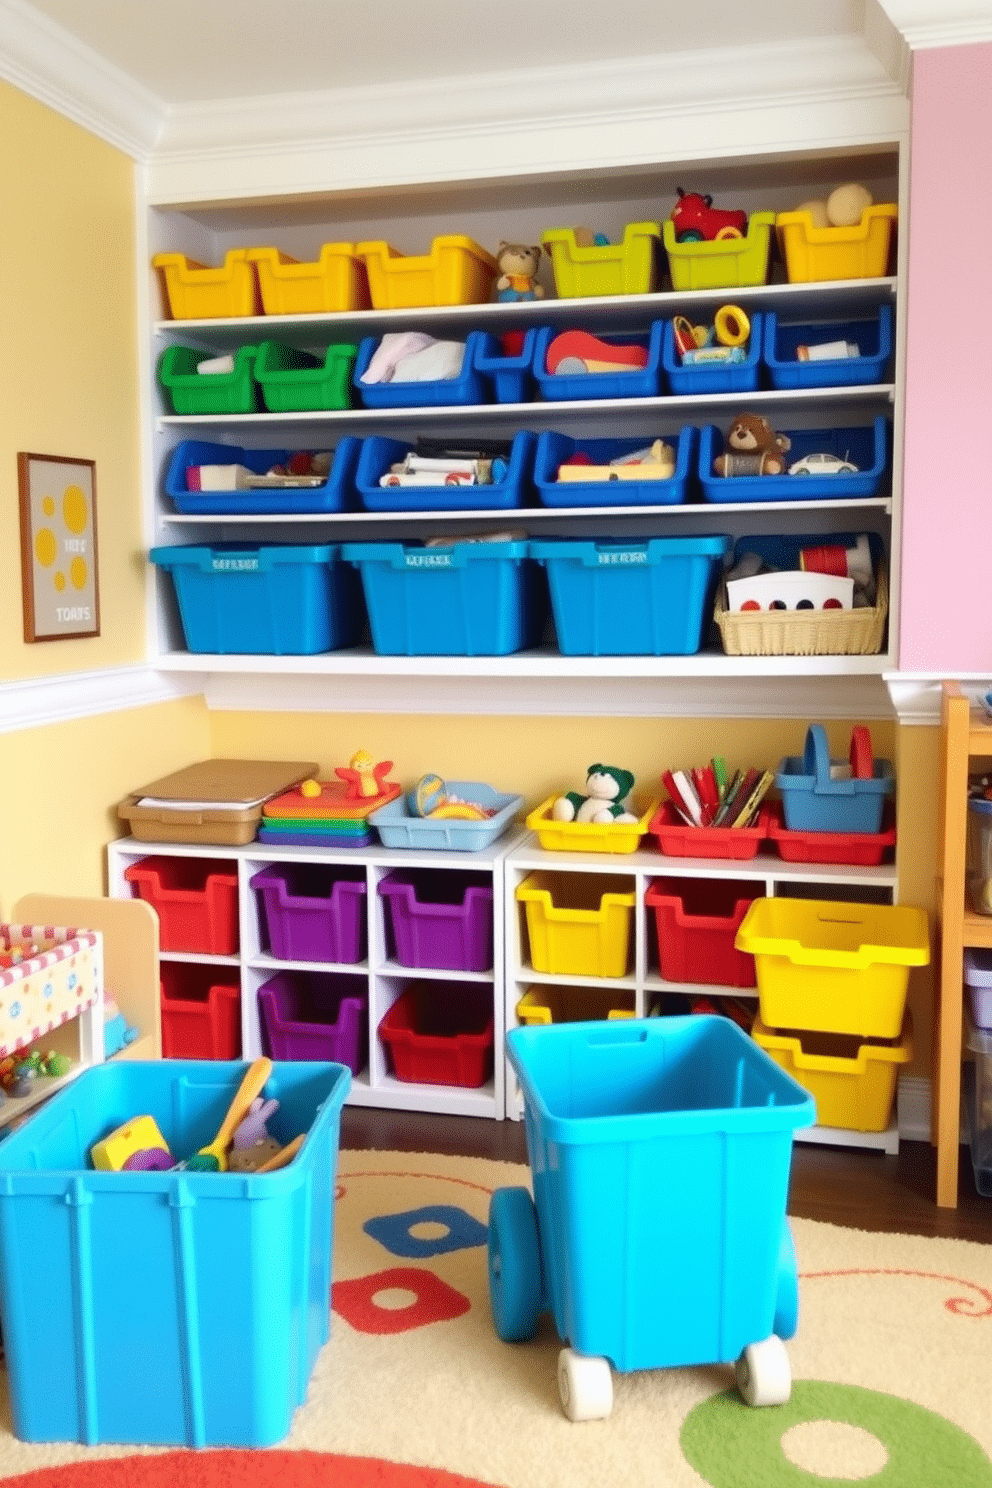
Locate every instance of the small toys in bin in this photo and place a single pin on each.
(752, 447)
(331, 813)
(696, 220)
(602, 818)
(604, 800)
(723, 341)
(432, 798)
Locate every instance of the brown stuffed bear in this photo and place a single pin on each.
(752, 448)
(518, 272)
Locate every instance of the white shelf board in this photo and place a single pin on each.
(839, 1136)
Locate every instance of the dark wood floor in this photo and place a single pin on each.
(866, 1189)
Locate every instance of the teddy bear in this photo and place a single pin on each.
(605, 799)
(518, 266)
(752, 448)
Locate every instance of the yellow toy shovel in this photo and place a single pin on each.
(213, 1157)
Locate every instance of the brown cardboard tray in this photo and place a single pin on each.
(216, 801)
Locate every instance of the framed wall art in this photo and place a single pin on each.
(58, 547)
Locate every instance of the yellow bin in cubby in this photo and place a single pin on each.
(817, 253)
(196, 292)
(853, 1083)
(553, 1004)
(721, 263)
(628, 267)
(455, 272)
(336, 281)
(578, 923)
(829, 966)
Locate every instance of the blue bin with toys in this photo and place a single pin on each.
(508, 367)
(714, 367)
(331, 493)
(187, 1308)
(632, 598)
(599, 472)
(467, 386)
(509, 486)
(828, 353)
(834, 464)
(591, 366)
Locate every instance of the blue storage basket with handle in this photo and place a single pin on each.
(813, 800)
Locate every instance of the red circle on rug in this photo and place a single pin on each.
(232, 1469)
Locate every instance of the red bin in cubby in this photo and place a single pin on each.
(312, 911)
(196, 900)
(441, 1033)
(315, 1015)
(696, 920)
(439, 919)
(201, 1012)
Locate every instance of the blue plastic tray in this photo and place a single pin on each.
(233, 1272)
(710, 377)
(812, 802)
(249, 599)
(639, 382)
(397, 828)
(553, 448)
(511, 378)
(615, 598)
(867, 447)
(378, 453)
(629, 1123)
(873, 337)
(468, 387)
(337, 494)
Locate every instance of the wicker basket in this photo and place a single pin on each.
(804, 632)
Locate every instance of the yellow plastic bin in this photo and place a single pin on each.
(578, 923)
(605, 837)
(573, 1005)
(827, 966)
(336, 281)
(196, 292)
(858, 252)
(455, 272)
(721, 263)
(853, 1083)
(627, 267)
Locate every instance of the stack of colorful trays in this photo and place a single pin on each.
(332, 818)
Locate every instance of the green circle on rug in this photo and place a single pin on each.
(733, 1445)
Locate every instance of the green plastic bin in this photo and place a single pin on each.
(291, 380)
(190, 391)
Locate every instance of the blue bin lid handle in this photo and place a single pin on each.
(816, 760)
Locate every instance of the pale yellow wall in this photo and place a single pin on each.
(68, 373)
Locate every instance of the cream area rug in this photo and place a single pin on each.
(891, 1364)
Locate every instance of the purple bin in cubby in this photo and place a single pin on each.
(439, 918)
(312, 911)
(316, 1015)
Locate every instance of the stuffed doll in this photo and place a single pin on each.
(605, 799)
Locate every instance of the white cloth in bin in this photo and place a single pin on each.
(412, 356)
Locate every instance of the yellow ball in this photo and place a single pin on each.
(817, 211)
(310, 788)
(846, 205)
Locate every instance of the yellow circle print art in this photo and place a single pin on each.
(58, 547)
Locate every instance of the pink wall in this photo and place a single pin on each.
(946, 615)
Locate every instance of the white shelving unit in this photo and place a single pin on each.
(637, 871)
(377, 976)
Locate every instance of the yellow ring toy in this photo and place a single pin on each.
(731, 325)
(728, 232)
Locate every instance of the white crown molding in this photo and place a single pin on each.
(49, 64)
(916, 696)
(926, 24)
(41, 701)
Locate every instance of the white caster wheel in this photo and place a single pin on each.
(763, 1373)
(585, 1384)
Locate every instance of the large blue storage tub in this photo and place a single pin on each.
(659, 1153)
(277, 600)
(184, 1308)
(379, 452)
(867, 447)
(693, 378)
(553, 448)
(462, 599)
(615, 598)
(468, 387)
(638, 382)
(336, 494)
(873, 338)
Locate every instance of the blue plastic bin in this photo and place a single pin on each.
(399, 827)
(468, 387)
(813, 802)
(659, 1152)
(553, 448)
(379, 452)
(336, 494)
(650, 598)
(510, 377)
(713, 377)
(464, 599)
(247, 599)
(873, 338)
(639, 382)
(187, 1308)
(867, 447)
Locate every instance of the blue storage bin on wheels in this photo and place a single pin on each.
(183, 1308)
(657, 1234)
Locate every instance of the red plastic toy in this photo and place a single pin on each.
(697, 220)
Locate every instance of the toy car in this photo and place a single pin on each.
(820, 463)
(696, 219)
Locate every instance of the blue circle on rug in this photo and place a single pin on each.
(394, 1231)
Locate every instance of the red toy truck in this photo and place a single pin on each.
(697, 220)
